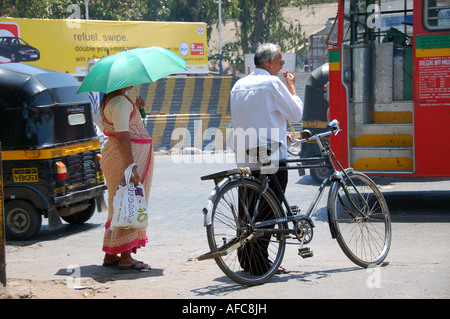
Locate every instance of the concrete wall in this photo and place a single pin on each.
(192, 111)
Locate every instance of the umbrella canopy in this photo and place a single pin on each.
(132, 67)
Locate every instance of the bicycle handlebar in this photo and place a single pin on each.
(333, 127)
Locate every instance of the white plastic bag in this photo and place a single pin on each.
(130, 207)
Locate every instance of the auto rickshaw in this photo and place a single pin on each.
(51, 152)
(315, 115)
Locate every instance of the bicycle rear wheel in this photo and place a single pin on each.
(257, 259)
(361, 219)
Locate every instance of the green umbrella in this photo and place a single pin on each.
(132, 67)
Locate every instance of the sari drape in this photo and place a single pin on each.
(116, 241)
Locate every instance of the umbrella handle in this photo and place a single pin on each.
(141, 110)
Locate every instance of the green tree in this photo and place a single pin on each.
(257, 21)
(24, 8)
(58, 9)
(262, 21)
(191, 11)
(129, 10)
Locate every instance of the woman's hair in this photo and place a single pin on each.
(265, 52)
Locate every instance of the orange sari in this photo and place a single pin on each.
(116, 241)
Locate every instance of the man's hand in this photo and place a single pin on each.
(289, 137)
(290, 82)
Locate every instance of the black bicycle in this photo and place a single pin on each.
(248, 225)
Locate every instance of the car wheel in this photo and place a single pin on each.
(319, 174)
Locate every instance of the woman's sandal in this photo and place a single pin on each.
(111, 264)
(133, 266)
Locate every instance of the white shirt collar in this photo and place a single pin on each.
(259, 71)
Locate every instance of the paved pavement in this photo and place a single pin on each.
(67, 263)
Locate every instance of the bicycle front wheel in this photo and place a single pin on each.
(361, 219)
(257, 257)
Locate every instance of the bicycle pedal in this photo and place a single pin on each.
(295, 209)
(305, 252)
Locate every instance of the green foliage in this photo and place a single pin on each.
(59, 9)
(24, 8)
(262, 21)
(257, 21)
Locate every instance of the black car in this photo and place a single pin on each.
(17, 50)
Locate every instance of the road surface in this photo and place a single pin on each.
(66, 263)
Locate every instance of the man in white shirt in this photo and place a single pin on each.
(261, 106)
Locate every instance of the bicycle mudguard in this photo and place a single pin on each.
(332, 226)
(207, 210)
(225, 178)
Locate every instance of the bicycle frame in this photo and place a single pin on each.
(324, 161)
(238, 208)
(283, 200)
(335, 175)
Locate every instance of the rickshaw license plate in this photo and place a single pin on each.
(25, 175)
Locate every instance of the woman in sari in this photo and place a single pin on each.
(128, 142)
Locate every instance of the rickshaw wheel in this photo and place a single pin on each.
(22, 220)
(81, 217)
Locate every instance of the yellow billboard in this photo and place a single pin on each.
(68, 45)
